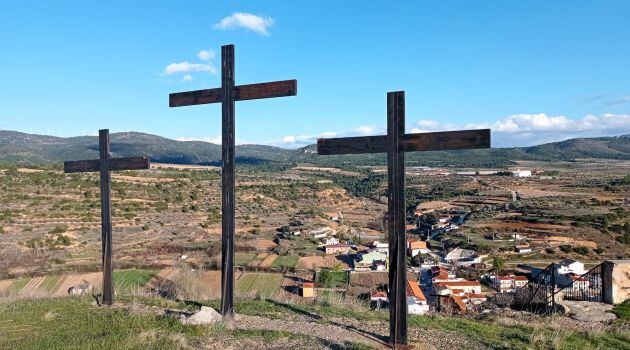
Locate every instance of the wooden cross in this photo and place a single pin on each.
(104, 165)
(227, 94)
(396, 143)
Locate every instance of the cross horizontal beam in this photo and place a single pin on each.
(86, 166)
(241, 93)
(431, 141)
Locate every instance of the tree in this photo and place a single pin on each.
(498, 264)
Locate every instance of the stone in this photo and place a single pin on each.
(206, 315)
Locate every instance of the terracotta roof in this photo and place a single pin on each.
(460, 283)
(379, 294)
(417, 245)
(457, 291)
(459, 302)
(414, 289)
(476, 295)
(520, 278)
(308, 285)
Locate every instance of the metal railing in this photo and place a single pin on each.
(587, 287)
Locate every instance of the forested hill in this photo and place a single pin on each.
(22, 148)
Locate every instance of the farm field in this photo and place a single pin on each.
(263, 284)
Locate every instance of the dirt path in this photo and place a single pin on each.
(268, 260)
(330, 333)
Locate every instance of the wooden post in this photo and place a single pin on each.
(106, 218)
(227, 94)
(104, 165)
(396, 217)
(396, 143)
(228, 209)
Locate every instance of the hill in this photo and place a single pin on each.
(22, 148)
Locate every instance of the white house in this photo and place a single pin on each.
(416, 301)
(381, 247)
(567, 266)
(522, 173)
(524, 248)
(331, 241)
(417, 247)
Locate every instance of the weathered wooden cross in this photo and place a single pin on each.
(396, 143)
(104, 165)
(227, 94)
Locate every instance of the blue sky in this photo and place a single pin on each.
(533, 71)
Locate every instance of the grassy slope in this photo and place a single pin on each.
(59, 323)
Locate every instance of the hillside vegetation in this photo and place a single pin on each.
(21, 148)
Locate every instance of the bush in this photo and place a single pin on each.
(59, 229)
(581, 250)
(565, 248)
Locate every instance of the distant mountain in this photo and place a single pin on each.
(21, 148)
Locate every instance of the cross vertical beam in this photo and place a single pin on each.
(396, 143)
(106, 218)
(104, 165)
(227, 94)
(228, 210)
(396, 217)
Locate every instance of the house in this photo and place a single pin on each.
(567, 266)
(416, 301)
(417, 247)
(381, 247)
(331, 240)
(475, 299)
(379, 296)
(457, 305)
(80, 289)
(524, 248)
(503, 284)
(579, 283)
(522, 173)
(410, 227)
(520, 281)
(441, 274)
(335, 249)
(308, 290)
(508, 283)
(459, 254)
(371, 260)
(446, 288)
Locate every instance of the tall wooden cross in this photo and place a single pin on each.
(104, 165)
(396, 143)
(227, 94)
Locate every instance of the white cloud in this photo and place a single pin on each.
(533, 129)
(187, 77)
(258, 24)
(186, 67)
(365, 130)
(206, 55)
(512, 131)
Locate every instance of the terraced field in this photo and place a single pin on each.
(263, 284)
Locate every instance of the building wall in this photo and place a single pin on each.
(616, 281)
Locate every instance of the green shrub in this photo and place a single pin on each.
(58, 229)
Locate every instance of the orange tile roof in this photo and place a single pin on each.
(460, 303)
(417, 245)
(461, 284)
(308, 285)
(476, 295)
(414, 289)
